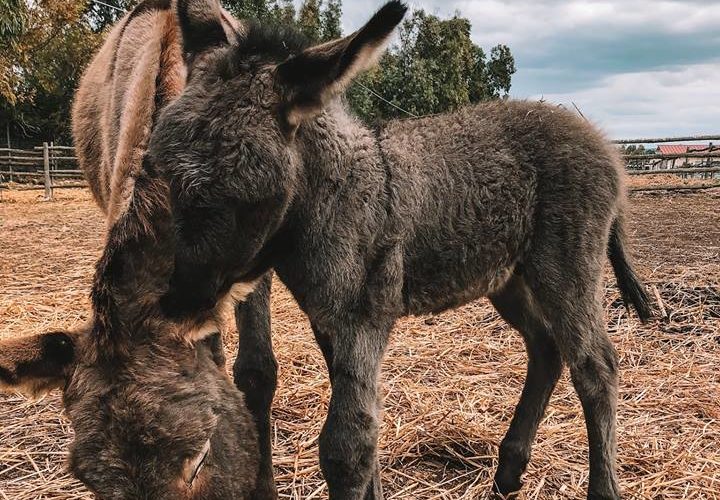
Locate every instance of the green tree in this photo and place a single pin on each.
(435, 67)
(248, 9)
(100, 16)
(283, 12)
(41, 64)
(13, 16)
(309, 20)
(330, 20)
(501, 68)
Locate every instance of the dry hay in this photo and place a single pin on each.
(674, 180)
(451, 381)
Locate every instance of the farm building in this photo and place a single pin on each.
(677, 150)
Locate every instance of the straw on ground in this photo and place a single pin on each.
(451, 381)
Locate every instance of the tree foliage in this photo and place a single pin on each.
(283, 12)
(12, 24)
(634, 149)
(309, 19)
(259, 10)
(330, 20)
(100, 16)
(318, 20)
(41, 60)
(433, 67)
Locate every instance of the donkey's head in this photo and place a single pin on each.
(271, 68)
(244, 102)
(154, 413)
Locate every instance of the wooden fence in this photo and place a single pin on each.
(702, 164)
(49, 167)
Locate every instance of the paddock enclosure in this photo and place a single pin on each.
(451, 381)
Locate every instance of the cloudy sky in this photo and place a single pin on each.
(634, 67)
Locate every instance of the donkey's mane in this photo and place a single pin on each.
(269, 43)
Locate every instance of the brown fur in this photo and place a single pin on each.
(138, 70)
(521, 202)
(154, 412)
(26, 368)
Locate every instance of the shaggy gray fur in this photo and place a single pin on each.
(511, 200)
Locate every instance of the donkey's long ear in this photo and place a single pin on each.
(135, 267)
(36, 364)
(319, 73)
(201, 26)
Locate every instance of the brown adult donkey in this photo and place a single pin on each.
(521, 202)
(154, 413)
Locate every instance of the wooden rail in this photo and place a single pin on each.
(42, 162)
(691, 170)
(661, 140)
(691, 187)
(51, 163)
(714, 153)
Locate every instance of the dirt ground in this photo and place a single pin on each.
(450, 381)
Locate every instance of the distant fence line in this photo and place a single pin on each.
(662, 140)
(697, 162)
(49, 167)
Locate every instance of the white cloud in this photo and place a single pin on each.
(524, 23)
(638, 67)
(671, 102)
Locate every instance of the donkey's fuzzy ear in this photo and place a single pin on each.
(201, 26)
(321, 72)
(36, 364)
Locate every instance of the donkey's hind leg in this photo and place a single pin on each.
(594, 371)
(574, 312)
(255, 374)
(515, 304)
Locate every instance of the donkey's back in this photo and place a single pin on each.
(498, 185)
(522, 202)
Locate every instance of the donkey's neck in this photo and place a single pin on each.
(336, 149)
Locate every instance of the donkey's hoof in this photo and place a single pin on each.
(505, 491)
(603, 495)
(507, 483)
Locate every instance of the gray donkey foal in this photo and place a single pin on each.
(517, 201)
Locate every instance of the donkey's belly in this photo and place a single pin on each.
(466, 247)
(447, 280)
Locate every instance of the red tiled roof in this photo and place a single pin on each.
(679, 149)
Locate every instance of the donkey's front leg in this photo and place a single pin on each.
(255, 374)
(348, 442)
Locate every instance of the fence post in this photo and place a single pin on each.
(46, 166)
(7, 131)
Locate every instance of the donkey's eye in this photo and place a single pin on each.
(193, 466)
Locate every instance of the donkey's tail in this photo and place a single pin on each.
(632, 290)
